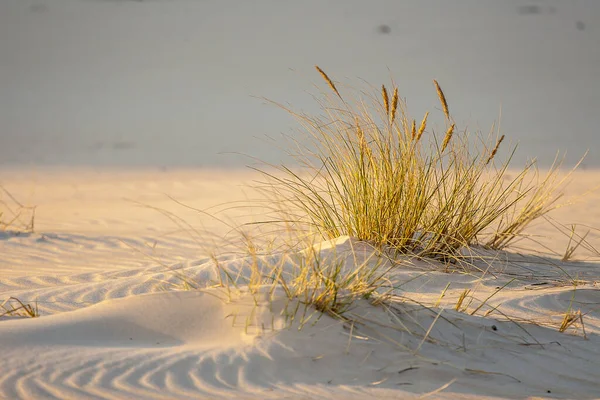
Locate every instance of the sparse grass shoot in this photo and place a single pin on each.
(14, 307)
(15, 216)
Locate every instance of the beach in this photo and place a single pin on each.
(132, 265)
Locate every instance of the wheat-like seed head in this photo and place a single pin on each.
(386, 99)
(413, 129)
(329, 81)
(422, 127)
(394, 105)
(493, 153)
(447, 138)
(365, 150)
(442, 98)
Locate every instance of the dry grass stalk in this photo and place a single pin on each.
(495, 150)
(459, 303)
(483, 303)
(535, 200)
(329, 81)
(439, 300)
(15, 216)
(573, 244)
(576, 240)
(21, 310)
(442, 99)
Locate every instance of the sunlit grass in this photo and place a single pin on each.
(370, 171)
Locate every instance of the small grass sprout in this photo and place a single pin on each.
(14, 307)
(570, 318)
(15, 216)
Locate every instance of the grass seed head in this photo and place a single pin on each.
(442, 98)
(422, 126)
(447, 138)
(329, 81)
(495, 150)
(386, 99)
(394, 105)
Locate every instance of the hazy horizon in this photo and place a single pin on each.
(178, 83)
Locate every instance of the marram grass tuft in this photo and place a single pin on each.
(368, 172)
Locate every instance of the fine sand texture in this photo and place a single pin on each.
(125, 129)
(106, 269)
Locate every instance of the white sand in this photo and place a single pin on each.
(105, 103)
(116, 325)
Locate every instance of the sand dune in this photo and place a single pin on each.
(116, 323)
(189, 344)
(120, 120)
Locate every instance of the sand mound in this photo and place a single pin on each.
(190, 344)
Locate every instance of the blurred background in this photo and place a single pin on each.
(178, 83)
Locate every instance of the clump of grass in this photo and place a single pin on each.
(331, 287)
(325, 284)
(16, 308)
(315, 282)
(541, 197)
(369, 173)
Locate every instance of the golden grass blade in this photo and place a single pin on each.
(492, 295)
(439, 300)
(429, 330)
(461, 299)
(573, 244)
